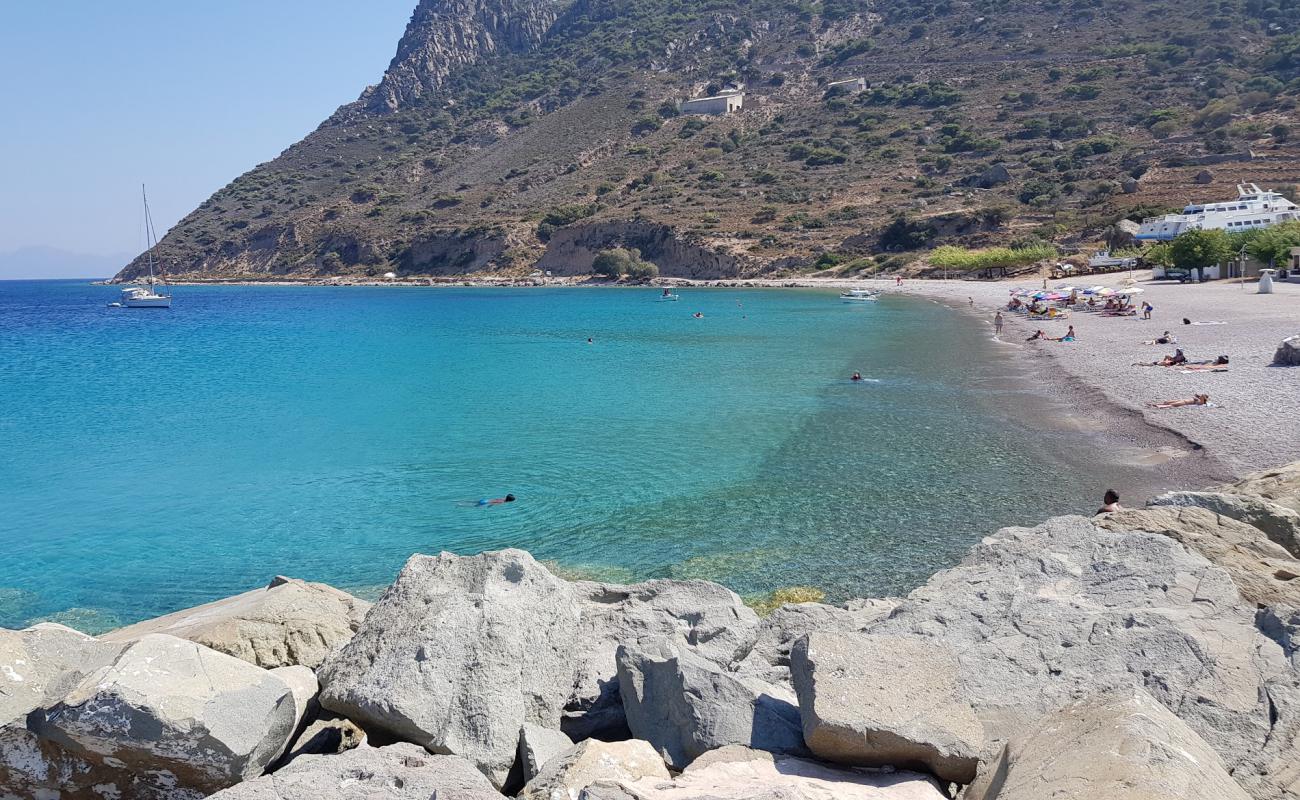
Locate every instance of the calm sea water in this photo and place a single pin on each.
(153, 460)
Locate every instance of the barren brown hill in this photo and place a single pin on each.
(511, 134)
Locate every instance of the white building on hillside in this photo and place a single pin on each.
(849, 85)
(724, 103)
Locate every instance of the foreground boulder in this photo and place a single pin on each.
(37, 666)
(1280, 486)
(737, 773)
(566, 775)
(460, 653)
(537, 745)
(685, 705)
(879, 701)
(778, 631)
(1288, 353)
(1264, 572)
(1279, 523)
(1042, 616)
(177, 712)
(1119, 746)
(289, 622)
(709, 618)
(397, 772)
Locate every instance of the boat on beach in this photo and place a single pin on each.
(149, 295)
(859, 295)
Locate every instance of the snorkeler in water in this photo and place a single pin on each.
(496, 501)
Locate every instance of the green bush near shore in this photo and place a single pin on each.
(617, 262)
(963, 260)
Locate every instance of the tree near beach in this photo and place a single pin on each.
(1199, 250)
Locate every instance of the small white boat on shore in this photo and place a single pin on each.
(149, 295)
(859, 295)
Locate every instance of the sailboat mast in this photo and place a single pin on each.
(148, 233)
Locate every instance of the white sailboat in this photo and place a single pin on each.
(145, 296)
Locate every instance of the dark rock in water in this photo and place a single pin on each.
(686, 705)
(881, 700)
(459, 654)
(397, 772)
(1288, 353)
(1122, 744)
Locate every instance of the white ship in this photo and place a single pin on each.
(1253, 208)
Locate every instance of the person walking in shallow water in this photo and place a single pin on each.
(997, 324)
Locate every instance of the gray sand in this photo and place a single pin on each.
(1255, 421)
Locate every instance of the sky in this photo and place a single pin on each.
(100, 96)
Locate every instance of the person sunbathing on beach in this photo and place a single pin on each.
(1176, 360)
(1037, 335)
(1197, 400)
(1164, 338)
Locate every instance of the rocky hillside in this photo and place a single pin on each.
(508, 134)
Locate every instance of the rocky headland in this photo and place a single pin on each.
(1150, 653)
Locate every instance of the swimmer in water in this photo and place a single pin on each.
(496, 501)
(589, 341)
(698, 315)
(857, 376)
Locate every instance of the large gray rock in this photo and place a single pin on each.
(537, 745)
(778, 631)
(37, 666)
(1121, 746)
(685, 705)
(460, 653)
(736, 773)
(177, 712)
(1264, 572)
(879, 700)
(289, 622)
(1280, 486)
(1288, 353)
(1279, 523)
(397, 772)
(710, 618)
(566, 775)
(325, 735)
(1043, 616)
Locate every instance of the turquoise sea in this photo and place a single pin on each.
(152, 460)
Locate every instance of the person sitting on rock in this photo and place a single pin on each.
(1111, 501)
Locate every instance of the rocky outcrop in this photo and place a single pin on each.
(573, 249)
(566, 775)
(1041, 616)
(685, 705)
(879, 701)
(174, 711)
(1280, 486)
(537, 745)
(286, 623)
(1288, 353)
(396, 772)
(736, 773)
(992, 176)
(446, 35)
(1279, 524)
(709, 618)
(1264, 572)
(778, 631)
(460, 653)
(1123, 745)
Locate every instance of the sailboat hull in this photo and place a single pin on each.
(148, 302)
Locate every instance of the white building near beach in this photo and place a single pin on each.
(718, 104)
(849, 85)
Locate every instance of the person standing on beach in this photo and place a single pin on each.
(971, 300)
(1147, 308)
(997, 323)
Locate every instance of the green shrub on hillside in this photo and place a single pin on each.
(962, 260)
(616, 262)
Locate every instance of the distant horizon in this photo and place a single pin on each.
(220, 89)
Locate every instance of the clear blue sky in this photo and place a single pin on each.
(99, 96)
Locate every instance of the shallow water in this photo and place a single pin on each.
(157, 459)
